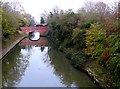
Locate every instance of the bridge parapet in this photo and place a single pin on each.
(41, 29)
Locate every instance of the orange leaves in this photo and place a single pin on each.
(106, 54)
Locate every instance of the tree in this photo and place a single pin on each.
(13, 17)
(0, 20)
(42, 21)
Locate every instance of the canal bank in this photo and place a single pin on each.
(6, 50)
(91, 67)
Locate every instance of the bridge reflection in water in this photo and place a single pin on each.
(41, 42)
(39, 64)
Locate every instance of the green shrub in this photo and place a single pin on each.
(78, 59)
(78, 38)
(85, 25)
(95, 40)
(113, 65)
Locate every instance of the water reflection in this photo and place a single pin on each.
(14, 67)
(41, 42)
(0, 74)
(34, 36)
(37, 64)
(42, 48)
(67, 74)
(16, 62)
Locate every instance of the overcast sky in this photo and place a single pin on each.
(37, 7)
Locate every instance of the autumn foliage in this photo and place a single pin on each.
(95, 29)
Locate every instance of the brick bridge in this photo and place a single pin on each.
(41, 29)
(41, 42)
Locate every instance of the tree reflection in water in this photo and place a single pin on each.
(0, 74)
(16, 61)
(68, 75)
(42, 48)
(45, 61)
(13, 68)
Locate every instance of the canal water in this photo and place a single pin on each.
(39, 64)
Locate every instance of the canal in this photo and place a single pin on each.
(39, 64)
